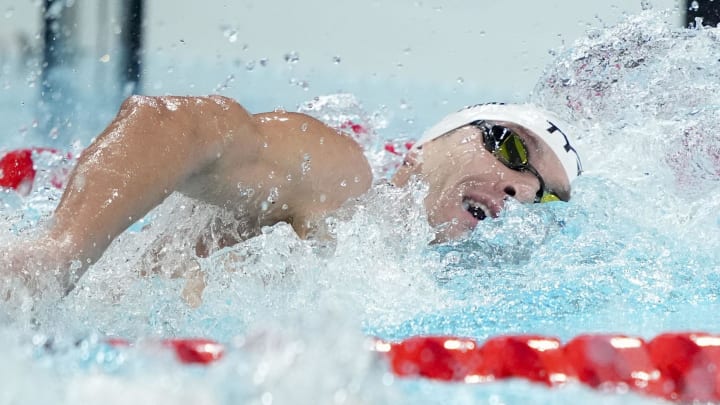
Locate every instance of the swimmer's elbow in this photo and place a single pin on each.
(137, 102)
(366, 177)
(361, 166)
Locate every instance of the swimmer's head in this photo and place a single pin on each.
(475, 159)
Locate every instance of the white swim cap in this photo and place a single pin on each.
(538, 122)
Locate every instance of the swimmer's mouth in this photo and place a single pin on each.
(476, 209)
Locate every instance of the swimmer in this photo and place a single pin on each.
(297, 169)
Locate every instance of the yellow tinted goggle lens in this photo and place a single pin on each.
(512, 152)
(549, 197)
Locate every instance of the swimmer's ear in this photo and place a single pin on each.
(410, 165)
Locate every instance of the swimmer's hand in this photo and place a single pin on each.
(37, 267)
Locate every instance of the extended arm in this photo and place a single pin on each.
(207, 148)
(152, 146)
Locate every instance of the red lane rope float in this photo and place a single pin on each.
(187, 351)
(394, 148)
(675, 366)
(682, 367)
(196, 351)
(17, 169)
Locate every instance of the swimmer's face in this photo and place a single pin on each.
(468, 184)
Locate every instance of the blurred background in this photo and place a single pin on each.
(65, 65)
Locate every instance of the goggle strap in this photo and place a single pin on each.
(541, 191)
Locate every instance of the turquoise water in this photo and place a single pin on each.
(634, 252)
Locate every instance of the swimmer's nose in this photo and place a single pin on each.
(521, 188)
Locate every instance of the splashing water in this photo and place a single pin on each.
(634, 252)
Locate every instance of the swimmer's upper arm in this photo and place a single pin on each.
(327, 167)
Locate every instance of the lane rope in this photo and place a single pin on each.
(682, 367)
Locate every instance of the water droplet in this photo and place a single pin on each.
(289, 177)
(292, 57)
(264, 205)
(224, 85)
(279, 110)
(356, 179)
(404, 105)
(343, 183)
(231, 34)
(9, 12)
(646, 5)
(336, 60)
(284, 207)
(452, 258)
(303, 84)
(305, 165)
(273, 196)
(407, 50)
(460, 80)
(323, 197)
(304, 127)
(694, 6)
(250, 65)
(263, 62)
(105, 58)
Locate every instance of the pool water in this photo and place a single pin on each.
(635, 252)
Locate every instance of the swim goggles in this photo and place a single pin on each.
(508, 147)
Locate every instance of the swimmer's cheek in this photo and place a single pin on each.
(36, 268)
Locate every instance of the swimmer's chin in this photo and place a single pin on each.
(461, 227)
(449, 233)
